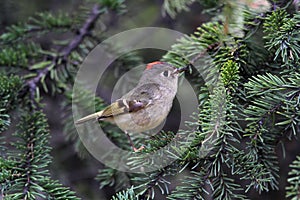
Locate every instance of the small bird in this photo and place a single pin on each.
(147, 105)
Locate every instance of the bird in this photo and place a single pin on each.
(147, 105)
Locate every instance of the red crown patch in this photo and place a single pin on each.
(150, 65)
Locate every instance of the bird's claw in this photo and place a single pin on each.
(139, 149)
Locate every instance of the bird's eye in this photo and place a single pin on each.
(166, 73)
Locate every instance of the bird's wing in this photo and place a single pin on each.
(122, 106)
(135, 100)
(119, 107)
(144, 93)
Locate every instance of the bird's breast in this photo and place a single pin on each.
(143, 120)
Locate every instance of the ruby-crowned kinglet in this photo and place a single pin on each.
(147, 105)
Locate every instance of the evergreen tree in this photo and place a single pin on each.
(249, 102)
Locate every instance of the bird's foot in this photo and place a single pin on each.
(139, 149)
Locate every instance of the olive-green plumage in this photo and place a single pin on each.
(147, 105)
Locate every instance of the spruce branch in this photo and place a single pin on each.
(82, 32)
(62, 56)
(41, 23)
(257, 97)
(172, 7)
(128, 194)
(186, 189)
(26, 169)
(293, 189)
(10, 87)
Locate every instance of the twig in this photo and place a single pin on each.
(66, 51)
(201, 54)
(83, 32)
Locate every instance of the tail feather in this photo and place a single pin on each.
(89, 117)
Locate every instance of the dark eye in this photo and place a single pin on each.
(166, 73)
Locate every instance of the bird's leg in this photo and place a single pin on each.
(132, 144)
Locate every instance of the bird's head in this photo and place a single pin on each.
(162, 73)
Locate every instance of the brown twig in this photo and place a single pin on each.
(65, 52)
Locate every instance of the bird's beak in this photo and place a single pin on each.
(179, 70)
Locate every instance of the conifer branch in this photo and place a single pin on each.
(62, 57)
(82, 32)
(249, 100)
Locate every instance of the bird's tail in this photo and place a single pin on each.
(89, 117)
